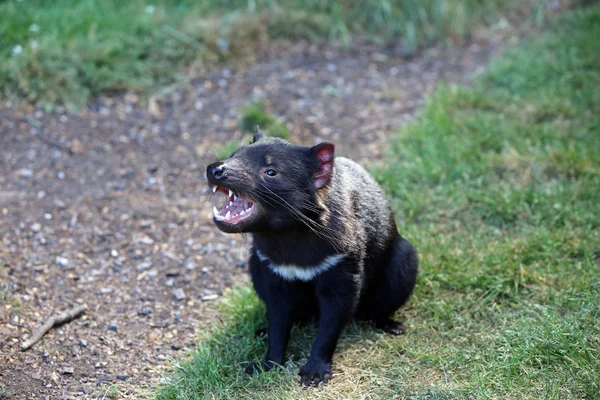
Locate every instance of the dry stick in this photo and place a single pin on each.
(52, 321)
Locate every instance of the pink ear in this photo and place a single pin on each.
(324, 153)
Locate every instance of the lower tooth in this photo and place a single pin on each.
(242, 212)
(228, 215)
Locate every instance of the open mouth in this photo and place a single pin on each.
(236, 208)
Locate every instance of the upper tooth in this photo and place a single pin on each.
(228, 215)
(230, 203)
(215, 211)
(214, 189)
(234, 197)
(230, 193)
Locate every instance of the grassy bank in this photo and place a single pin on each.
(65, 51)
(498, 187)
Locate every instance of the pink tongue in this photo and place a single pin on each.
(238, 206)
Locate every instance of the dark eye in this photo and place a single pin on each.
(271, 172)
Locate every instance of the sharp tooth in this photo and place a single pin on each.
(215, 211)
(242, 212)
(214, 189)
(230, 193)
(228, 215)
(235, 197)
(230, 203)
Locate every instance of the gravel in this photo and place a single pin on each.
(121, 220)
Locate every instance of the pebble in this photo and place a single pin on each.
(170, 282)
(189, 264)
(173, 273)
(210, 297)
(25, 173)
(68, 370)
(82, 343)
(122, 377)
(179, 294)
(60, 204)
(143, 266)
(106, 290)
(112, 326)
(145, 311)
(62, 262)
(161, 357)
(147, 240)
(36, 227)
(240, 264)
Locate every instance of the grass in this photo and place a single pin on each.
(254, 115)
(497, 184)
(63, 52)
(107, 391)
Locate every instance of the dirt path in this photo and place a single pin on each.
(106, 207)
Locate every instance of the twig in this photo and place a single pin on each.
(54, 320)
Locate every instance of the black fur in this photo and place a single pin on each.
(309, 206)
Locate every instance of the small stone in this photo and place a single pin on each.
(36, 227)
(112, 326)
(82, 343)
(143, 266)
(60, 204)
(25, 173)
(240, 264)
(145, 223)
(209, 297)
(68, 370)
(145, 311)
(189, 264)
(62, 262)
(179, 294)
(176, 346)
(122, 377)
(114, 253)
(86, 390)
(147, 240)
(161, 357)
(173, 273)
(170, 282)
(106, 290)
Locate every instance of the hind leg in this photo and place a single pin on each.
(392, 286)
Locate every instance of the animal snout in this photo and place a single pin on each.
(216, 171)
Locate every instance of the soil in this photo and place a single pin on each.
(108, 207)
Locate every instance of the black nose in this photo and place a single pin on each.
(216, 171)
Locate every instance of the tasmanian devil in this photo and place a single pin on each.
(325, 244)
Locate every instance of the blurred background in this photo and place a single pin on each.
(111, 110)
(65, 51)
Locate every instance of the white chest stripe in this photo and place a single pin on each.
(291, 272)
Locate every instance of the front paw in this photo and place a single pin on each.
(260, 367)
(315, 372)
